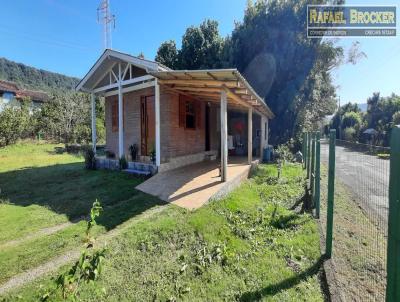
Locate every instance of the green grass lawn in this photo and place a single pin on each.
(245, 247)
(41, 189)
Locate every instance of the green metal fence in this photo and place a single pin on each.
(312, 154)
(357, 202)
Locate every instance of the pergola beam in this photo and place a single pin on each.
(201, 83)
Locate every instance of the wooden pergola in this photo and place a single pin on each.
(223, 86)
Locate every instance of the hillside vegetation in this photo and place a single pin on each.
(33, 78)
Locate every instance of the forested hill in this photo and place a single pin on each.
(33, 78)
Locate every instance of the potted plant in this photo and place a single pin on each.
(133, 149)
(123, 163)
(153, 155)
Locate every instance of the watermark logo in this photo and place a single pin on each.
(351, 21)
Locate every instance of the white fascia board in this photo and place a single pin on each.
(134, 61)
(92, 70)
(146, 65)
(131, 88)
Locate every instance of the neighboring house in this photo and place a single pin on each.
(12, 95)
(183, 116)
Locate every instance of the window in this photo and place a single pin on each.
(8, 96)
(114, 114)
(189, 113)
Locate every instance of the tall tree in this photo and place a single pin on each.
(271, 48)
(201, 48)
(167, 54)
(289, 70)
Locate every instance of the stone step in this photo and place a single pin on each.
(137, 172)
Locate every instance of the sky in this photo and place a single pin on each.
(63, 36)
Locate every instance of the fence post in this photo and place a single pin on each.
(308, 153)
(317, 174)
(393, 245)
(331, 193)
(312, 174)
(304, 148)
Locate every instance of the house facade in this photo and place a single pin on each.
(176, 117)
(12, 95)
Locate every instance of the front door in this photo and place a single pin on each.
(147, 125)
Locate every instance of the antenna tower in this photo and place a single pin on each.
(105, 18)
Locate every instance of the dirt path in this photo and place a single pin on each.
(70, 256)
(37, 234)
(367, 177)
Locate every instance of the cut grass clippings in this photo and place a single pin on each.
(245, 247)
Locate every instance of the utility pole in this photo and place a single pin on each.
(105, 18)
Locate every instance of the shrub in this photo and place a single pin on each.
(350, 134)
(86, 270)
(90, 160)
(153, 155)
(14, 124)
(283, 153)
(123, 163)
(352, 119)
(396, 118)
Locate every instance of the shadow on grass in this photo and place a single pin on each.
(69, 189)
(273, 289)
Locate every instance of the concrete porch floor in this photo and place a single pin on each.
(192, 186)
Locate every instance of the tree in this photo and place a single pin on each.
(285, 67)
(167, 54)
(271, 49)
(66, 118)
(201, 48)
(396, 118)
(14, 124)
(337, 120)
(351, 119)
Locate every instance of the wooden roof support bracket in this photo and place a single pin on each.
(211, 83)
(235, 97)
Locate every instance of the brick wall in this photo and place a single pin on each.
(131, 120)
(175, 140)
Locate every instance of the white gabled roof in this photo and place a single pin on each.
(202, 84)
(107, 59)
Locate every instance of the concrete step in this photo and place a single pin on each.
(137, 172)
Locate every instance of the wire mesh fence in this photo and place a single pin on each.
(359, 215)
(360, 220)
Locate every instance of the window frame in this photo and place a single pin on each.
(193, 114)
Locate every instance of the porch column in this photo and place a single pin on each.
(250, 135)
(94, 135)
(262, 137)
(157, 111)
(120, 117)
(266, 131)
(224, 136)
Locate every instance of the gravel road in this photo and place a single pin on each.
(366, 176)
